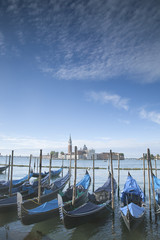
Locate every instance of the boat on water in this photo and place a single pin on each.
(54, 173)
(49, 209)
(2, 169)
(5, 185)
(28, 191)
(132, 198)
(157, 192)
(97, 206)
(49, 193)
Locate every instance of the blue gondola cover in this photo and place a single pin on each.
(131, 187)
(134, 209)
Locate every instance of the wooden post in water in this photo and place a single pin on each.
(29, 171)
(108, 165)
(37, 165)
(10, 187)
(152, 181)
(149, 184)
(70, 163)
(112, 183)
(6, 162)
(34, 164)
(75, 176)
(155, 167)
(50, 165)
(144, 174)
(62, 166)
(39, 179)
(93, 173)
(118, 173)
(9, 166)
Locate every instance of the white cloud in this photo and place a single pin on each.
(27, 145)
(152, 116)
(2, 44)
(91, 39)
(104, 97)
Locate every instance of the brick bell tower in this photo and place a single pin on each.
(70, 145)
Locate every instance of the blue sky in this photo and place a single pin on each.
(85, 68)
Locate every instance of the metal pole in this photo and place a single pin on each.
(75, 176)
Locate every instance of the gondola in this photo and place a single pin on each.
(5, 185)
(157, 192)
(3, 168)
(96, 208)
(28, 191)
(54, 173)
(132, 198)
(50, 208)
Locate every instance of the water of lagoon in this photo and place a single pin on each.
(111, 227)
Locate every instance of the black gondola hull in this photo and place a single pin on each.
(72, 221)
(27, 218)
(130, 221)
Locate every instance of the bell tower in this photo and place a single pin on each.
(70, 145)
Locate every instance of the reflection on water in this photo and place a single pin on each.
(111, 227)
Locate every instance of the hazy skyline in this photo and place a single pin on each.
(85, 68)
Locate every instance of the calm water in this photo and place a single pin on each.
(109, 228)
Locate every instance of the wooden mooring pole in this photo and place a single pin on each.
(108, 165)
(152, 181)
(112, 181)
(37, 165)
(93, 173)
(118, 173)
(75, 176)
(29, 171)
(70, 165)
(144, 174)
(62, 166)
(34, 164)
(149, 184)
(50, 165)
(39, 179)
(6, 162)
(9, 166)
(155, 161)
(10, 187)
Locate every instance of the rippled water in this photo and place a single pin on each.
(112, 227)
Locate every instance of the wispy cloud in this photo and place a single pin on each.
(90, 40)
(105, 98)
(131, 147)
(11, 142)
(2, 44)
(152, 116)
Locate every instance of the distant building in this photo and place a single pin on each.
(70, 145)
(85, 153)
(106, 156)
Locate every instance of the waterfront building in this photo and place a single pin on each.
(85, 153)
